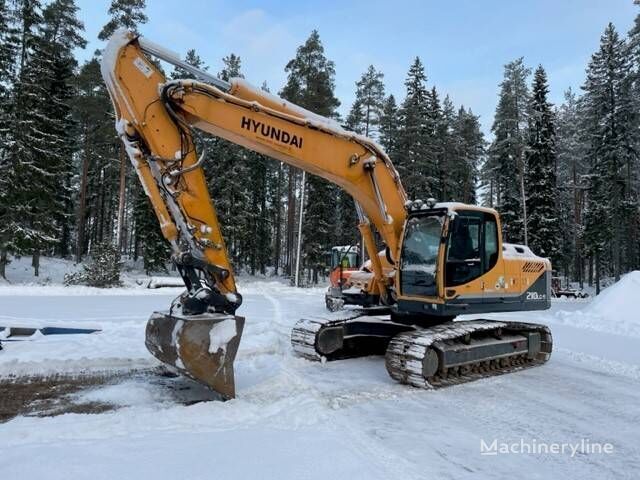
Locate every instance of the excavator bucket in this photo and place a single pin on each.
(202, 347)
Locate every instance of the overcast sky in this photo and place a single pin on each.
(463, 44)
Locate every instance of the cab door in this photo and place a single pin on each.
(473, 272)
(493, 281)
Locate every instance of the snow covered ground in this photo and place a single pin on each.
(302, 420)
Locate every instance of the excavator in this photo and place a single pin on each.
(348, 283)
(448, 258)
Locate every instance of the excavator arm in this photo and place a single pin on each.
(155, 120)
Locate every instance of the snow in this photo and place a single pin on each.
(614, 311)
(513, 251)
(220, 335)
(295, 419)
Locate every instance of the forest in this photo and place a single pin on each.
(565, 178)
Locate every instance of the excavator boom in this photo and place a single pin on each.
(155, 120)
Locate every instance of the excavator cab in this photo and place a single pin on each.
(446, 249)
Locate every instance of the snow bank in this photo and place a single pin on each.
(615, 310)
(620, 299)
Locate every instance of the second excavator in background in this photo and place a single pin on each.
(445, 259)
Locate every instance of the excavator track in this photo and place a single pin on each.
(359, 335)
(459, 352)
(447, 354)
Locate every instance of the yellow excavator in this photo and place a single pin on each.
(448, 258)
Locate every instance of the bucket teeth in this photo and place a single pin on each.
(202, 347)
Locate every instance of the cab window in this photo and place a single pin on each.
(472, 247)
(490, 242)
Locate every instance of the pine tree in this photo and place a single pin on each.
(506, 166)
(97, 160)
(124, 14)
(366, 111)
(542, 204)
(310, 84)
(128, 14)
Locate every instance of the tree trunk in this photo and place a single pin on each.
(82, 207)
(278, 226)
(121, 196)
(524, 201)
(291, 219)
(597, 273)
(35, 263)
(3, 263)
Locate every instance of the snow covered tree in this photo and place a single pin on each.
(30, 225)
(632, 255)
(61, 35)
(505, 168)
(102, 271)
(572, 167)
(8, 51)
(608, 114)
(310, 84)
(543, 221)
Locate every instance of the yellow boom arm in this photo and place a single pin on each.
(154, 118)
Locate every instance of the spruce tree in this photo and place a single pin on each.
(632, 255)
(30, 227)
(469, 149)
(415, 160)
(572, 168)
(389, 132)
(8, 51)
(543, 221)
(62, 34)
(608, 114)
(506, 166)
